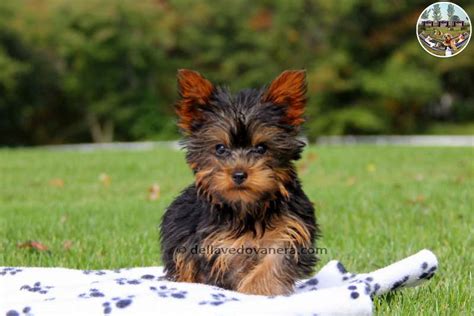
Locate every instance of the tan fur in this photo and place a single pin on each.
(260, 180)
(269, 277)
(289, 89)
(263, 135)
(185, 269)
(258, 273)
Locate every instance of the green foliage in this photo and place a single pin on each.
(450, 11)
(455, 18)
(105, 70)
(437, 13)
(452, 129)
(425, 15)
(353, 120)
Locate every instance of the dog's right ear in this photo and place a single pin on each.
(194, 91)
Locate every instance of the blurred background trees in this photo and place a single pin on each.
(103, 70)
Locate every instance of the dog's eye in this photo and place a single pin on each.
(221, 149)
(260, 149)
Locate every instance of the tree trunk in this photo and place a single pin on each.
(100, 133)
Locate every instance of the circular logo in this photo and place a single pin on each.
(444, 29)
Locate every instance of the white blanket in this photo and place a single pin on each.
(144, 291)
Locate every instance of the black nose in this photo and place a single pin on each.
(239, 177)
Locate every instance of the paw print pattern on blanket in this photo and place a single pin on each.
(308, 285)
(218, 299)
(124, 281)
(427, 273)
(9, 271)
(164, 291)
(116, 302)
(25, 311)
(94, 272)
(141, 291)
(92, 293)
(37, 287)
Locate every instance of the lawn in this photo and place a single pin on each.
(375, 205)
(454, 31)
(437, 34)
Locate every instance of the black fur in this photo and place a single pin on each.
(190, 219)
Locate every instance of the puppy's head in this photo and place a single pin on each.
(241, 146)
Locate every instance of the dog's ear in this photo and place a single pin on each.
(194, 91)
(289, 90)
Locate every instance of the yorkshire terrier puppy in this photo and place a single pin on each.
(245, 224)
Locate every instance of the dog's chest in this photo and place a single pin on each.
(234, 254)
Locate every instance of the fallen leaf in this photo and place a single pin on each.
(67, 244)
(459, 179)
(419, 177)
(105, 179)
(419, 199)
(312, 156)
(351, 181)
(56, 182)
(154, 192)
(31, 244)
(302, 167)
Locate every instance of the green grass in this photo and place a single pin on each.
(375, 205)
(454, 31)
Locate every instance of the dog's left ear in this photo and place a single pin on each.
(289, 90)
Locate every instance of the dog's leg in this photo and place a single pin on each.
(276, 273)
(271, 276)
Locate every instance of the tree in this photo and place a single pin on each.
(426, 14)
(76, 71)
(450, 11)
(108, 74)
(437, 12)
